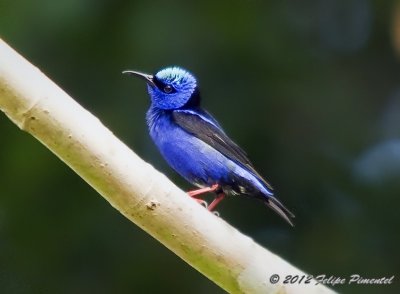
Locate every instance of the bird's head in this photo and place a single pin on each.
(170, 88)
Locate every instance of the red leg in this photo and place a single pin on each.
(215, 202)
(195, 193)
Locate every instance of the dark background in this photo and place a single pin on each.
(310, 89)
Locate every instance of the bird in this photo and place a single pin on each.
(195, 145)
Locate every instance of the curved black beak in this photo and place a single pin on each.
(148, 78)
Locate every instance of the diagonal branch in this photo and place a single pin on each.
(142, 194)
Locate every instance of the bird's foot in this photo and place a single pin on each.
(202, 203)
(197, 192)
(216, 201)
(216, 213)
(205, 204)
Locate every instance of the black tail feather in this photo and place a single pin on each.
(280, 209)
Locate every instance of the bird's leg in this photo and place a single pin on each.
(215, 202)
(197, 192)
(213, 188)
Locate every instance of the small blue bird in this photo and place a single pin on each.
(194, 144)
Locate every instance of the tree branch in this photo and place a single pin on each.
(142, 194)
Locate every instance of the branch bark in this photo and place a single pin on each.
(143, 195)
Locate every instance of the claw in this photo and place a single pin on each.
(216, 213)
(202, 203)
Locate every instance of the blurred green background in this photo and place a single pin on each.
(310, 89)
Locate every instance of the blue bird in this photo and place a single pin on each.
(194, 144)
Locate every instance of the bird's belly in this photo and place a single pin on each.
(193, 159)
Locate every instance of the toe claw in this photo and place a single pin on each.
(202, 203)
(216, 213)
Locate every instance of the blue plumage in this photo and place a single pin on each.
(194, 144)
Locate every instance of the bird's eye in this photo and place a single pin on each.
(168, 89)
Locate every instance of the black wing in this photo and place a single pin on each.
(203, 126)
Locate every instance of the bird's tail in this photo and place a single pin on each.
(280, 209)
